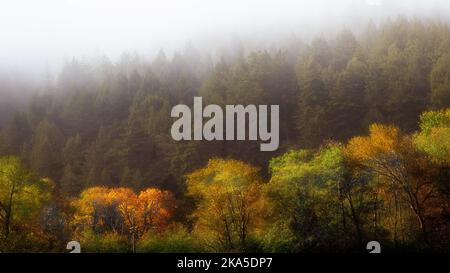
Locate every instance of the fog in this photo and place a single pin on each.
(40, 35)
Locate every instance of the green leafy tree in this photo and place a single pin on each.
(319, 200)
(22, 197)
(434, 135)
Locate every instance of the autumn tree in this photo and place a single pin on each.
(229, 203)
(433, 139)
(121, 211)
(22, 197)
(405, 172)
(319, 200)
(434, 135)
(149, 211)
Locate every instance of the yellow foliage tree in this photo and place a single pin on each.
(230, 203)
(406, 176)
(434, 135)
(22, 197)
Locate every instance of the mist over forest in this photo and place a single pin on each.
(41, 38)
(86, 90)
(43, 35)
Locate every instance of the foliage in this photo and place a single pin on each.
(121, 212)
(230, 203)
(109, 242)
(434, 135)
(175, 240)
(101, 133)
(23, 195)
(408, 183)
(317, 198)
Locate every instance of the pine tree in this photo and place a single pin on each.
(347, 107)
(72, 154)
(440, 83)
(45, 155)
(312, 115)
(16, 134)
(71, 184)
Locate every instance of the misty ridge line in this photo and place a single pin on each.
(74, 27)
(235, 118)
(217, 44)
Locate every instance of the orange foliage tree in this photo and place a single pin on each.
(407, 177)
(122, 211)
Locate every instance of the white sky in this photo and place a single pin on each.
(46, 31)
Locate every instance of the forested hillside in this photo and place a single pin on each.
(364, 150)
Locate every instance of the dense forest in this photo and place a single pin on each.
(364, 150)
